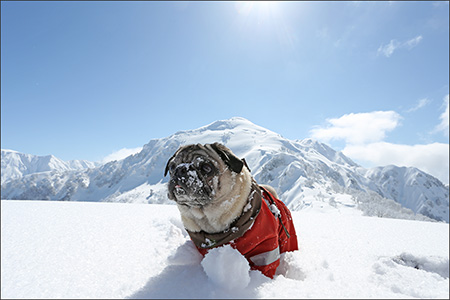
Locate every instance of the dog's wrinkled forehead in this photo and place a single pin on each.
(195, 153)
(190, 152)
(216, 151)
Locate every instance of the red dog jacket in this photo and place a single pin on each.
(271, 234)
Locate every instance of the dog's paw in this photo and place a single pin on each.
(186, 254)
(227, 268)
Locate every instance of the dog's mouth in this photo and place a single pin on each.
(183, 199)
(184, 192)
(179, 190)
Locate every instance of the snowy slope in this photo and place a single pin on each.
(303, 171)
(407, 186)
(15, 164)
(110, 250)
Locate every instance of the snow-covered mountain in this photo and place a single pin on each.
(15, 164)
(411, 188)
(305, 173)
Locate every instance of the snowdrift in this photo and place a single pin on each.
(62, 250)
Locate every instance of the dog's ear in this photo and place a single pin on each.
(168, 162)
(228, 157)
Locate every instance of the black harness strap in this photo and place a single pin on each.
(279, 215)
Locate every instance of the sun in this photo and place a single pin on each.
(265, 20)
(259, 8)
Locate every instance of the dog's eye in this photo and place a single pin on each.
(171, 168)
(207, 168)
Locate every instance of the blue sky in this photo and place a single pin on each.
(83, 80)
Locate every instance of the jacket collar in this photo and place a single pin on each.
(206, 240)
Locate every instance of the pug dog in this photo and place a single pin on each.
(210, 186)
(220, 203)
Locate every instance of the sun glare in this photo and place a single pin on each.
(260, 8)
(265, 18)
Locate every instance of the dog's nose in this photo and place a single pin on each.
(181, 172)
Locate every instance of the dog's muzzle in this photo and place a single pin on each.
(188, 187)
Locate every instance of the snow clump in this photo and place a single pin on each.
(227, 268)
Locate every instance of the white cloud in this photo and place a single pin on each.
(413, 42)
(358, 128)
(431, 158)
(121, 154)
(388, 50)
(364, 135)
(420, 103)
(443, 126)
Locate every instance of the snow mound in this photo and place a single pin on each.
(433, 264)
(227, 268)
(186, 254)
(429, 274)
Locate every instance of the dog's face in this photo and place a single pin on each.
(200, 174)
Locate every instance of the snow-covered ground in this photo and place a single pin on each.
(115, 250)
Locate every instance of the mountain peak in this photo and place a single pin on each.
(328, 152)
(9, 151)
(236, 133)
(231, 123)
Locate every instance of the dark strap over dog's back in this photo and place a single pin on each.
(276, 215)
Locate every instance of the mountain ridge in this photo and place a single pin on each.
(303, 171)
(16, 164)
